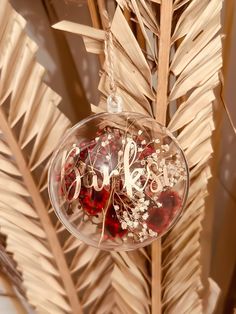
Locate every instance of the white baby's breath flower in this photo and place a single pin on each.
(162, 162)
(159, 204)
(152, 233)
(145, 226)
(136, 216)
(124, 225)
(103, 144)
(135, 224)
(145, 216)
(108, 157)
(130, 223)
(109, 136)
(157, 140)
(96, 139)
(140, 132)
(143, 142)
(142, 209)
(145, 205)
(140, 194)
(165, 147)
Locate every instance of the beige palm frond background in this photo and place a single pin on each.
(169, 55)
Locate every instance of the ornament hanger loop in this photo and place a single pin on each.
(114, 102)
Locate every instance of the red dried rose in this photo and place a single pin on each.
(160, 218)
(93, 201)
(171, 201)
(112, 224)
(86, 147)
(148, 150)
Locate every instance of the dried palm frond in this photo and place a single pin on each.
(30, 126)
(129, 276)
(188, 61)
(11, 301)
(8, 267)
(196, 64)
(60, 274)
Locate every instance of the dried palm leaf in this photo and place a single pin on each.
(30, 121)
(195, 64)
(11, 301)
(31, 126)
(8, 267)
(56, 268)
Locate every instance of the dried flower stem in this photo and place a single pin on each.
(113, 183)
(42, 213)
(160, 114)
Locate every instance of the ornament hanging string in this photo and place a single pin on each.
(109, 57)
(114, 102)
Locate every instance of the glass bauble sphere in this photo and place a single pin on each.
(118, 181)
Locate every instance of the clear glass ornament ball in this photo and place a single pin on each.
(118, 181)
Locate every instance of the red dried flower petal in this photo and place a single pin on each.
(93, 201)
(148, 150)
(112, 224)
(160, 218)
(171, 201)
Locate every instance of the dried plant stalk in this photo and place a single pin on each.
(31, 126)
(8, 267)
